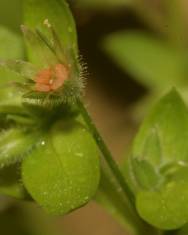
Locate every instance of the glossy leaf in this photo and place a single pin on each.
(151, 62)
(63, 173)
(157, 169)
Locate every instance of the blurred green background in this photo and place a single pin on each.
(135, 51)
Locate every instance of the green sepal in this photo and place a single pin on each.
(67, 95)
(59, 16)
(45, 54)
(62, 174)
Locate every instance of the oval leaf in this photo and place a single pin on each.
(167, 208)
(157, 170)
(63, 173)
(151, 62)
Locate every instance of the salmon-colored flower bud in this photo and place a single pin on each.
(44, 76)
(61, 74)
(51, 79)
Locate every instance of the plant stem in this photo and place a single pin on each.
(143, 228)
(107, 154)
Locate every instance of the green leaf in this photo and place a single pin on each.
(151, 62)
(157, 170)
(105, 4)
(62, 174)
(10, 182)
(11, 47)
(22, 68)
(10, 14)
(176, 21)
(166, 208)
(183, 230)
(15, 144)
(59, 16)
(168, 124)
(11, 44)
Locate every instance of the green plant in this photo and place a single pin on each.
(50, 146)
(156, 56)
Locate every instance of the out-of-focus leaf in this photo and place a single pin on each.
(183, 230)
(151, 62)
(10, 182)
(157, 169)
(105, 4)
(10, 14)
(22, 68)
(176, 22)
(11, 44)
(9, 93)
(11, 47)
(62, 174)
(24, 219)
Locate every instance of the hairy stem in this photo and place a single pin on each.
(143, 227)
(106, 153)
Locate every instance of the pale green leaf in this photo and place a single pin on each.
(164, 132)
(151, 61)
(157, 170)
(166, 208)
(63, 173)
(11, 47)
(11, 44)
